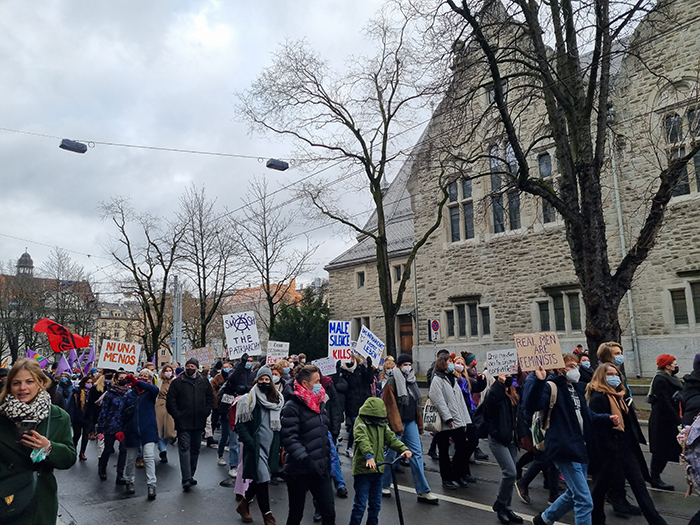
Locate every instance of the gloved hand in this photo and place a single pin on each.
(119, 436)
(131, 380)
(369, 362)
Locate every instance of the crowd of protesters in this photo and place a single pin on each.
(282, 423)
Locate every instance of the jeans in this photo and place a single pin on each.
(163, 445)
(229, 437)
(367, 487)
(540, 464)
(505, 457)
(109, 442)
(188, 445)
(452, 469)
(577, 495)
(149, 463)
(321, 490)
(410, 438)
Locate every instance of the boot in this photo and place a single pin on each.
(243, 509)
(501, 512)
(269, 519)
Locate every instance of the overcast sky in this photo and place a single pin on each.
(143, 72)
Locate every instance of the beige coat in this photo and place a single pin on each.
(166, 424)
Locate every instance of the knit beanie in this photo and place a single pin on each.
(469, 358)
(664, 360)
(192, 361)
(696, 363)
(264, 371)
(404, 358)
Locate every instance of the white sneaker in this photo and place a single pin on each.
(348, 452)
(386, 492)
(233, 472)
(221, 461)
(428, 497)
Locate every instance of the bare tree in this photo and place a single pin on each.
(357, 119)
(147, 248)
(209, 257)
(264, 234)
(557, 56)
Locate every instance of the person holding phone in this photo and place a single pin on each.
(35, 439)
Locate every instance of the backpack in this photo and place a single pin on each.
(542, 419)
(691, 456)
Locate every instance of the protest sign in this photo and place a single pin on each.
(204, 355)
(339, 340)
(276, 350)
(539, 349)
(502, 361)
(326, 365)
(118, 354)
(369, 345)
(241, 334)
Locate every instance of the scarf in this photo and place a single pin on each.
(246, 405)
(465, 387)
(17, 410)
(617, 403)
(120, 390)
(350, 368)
(311, 400)
(402, 390)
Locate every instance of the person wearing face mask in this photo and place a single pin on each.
(225, 396)
(570, 440)
(584, 367)
(77, 409)
(243, 375)
(403, 401)
(615, 445)
(359, 378)
(189, 401)
(164, 421)
(664, 397)
(110, 426)
(447, 397)
(92, 411)
(307, 443)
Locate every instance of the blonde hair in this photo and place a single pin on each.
(389, 364)
(604, 352)
(30, 366)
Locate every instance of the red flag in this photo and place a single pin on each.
(60, 337)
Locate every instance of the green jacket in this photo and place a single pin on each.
(248, 435)
(371, 439)
(43, 509)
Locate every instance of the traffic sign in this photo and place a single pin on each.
(433, 330)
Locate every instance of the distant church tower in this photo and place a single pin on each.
(25, 265)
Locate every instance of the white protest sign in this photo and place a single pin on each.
(502, 361)
(325, 365)
(339, 340)
(118, 354)
(276, 350)
(369, 345)
(241, 334)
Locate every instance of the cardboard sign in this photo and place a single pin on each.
(119, 354)
(502, 361)
(369, 345)
(326, 365)
(339, 340)
(276, 350)
(241, 334)
(539, 349)
(204, 355)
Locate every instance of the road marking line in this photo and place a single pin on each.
(467, 503)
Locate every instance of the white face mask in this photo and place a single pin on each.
(572, 376)
(406, 369)
(168, 375)
(275, 379)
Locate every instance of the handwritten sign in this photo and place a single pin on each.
(326, 365)
(539, 349)
(339, 340)
(276, 350)
(119, 354)
(369, 345)
(204, 355)
(241, 334)
(502, 361)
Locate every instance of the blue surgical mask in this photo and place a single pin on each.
(316, 388)
(381, 368)
(286, 370)
(586, 364)
(613, 381)
(390, 371)
(249, 365)
(619, 360)
(450, 368)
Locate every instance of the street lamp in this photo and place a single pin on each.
(73, 145)
(276, 164)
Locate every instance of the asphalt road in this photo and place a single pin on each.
(84, 499)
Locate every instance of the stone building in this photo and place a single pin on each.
(120, 322)
(500, 263)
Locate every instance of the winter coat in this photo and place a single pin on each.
(449, 401)
(586, 374)
(305, 439)
(501, 415)
(189, 402)
(248, 435)
(398, 414)
(242, 377)
(691, 397)
(335, 412)
(664, 419)
(164, 421)
(111, 418)
(371, 437)
(227, 389)
(359, 382)
(341, 387)
(92, 410)
(14, 459)
(564, 440)
(216, 383)
(76, 408)
(142, 427)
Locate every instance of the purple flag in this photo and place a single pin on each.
(153, 361)
(63, 366)
(72, 357)
(31, 354)
(80, 359)
(90, 360)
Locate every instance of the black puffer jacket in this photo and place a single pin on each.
(691, 397)
(189, 402)
(305, 439)
(242, 377)
(359, 382)
(500, 414)
(341, 386)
